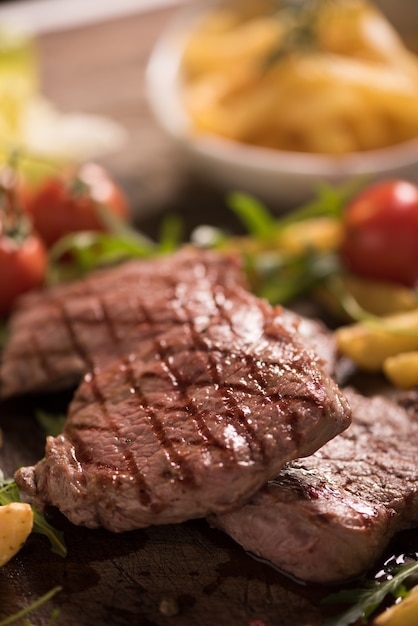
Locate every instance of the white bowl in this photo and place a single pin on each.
(282, 178)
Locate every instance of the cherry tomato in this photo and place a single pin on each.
(380, 239)
(68, 202)
(23, 256)
(22, 268)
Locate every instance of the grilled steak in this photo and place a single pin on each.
(329, 517)
(193, 422)
(57, 334)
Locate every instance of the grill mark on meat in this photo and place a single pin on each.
(256, 376)
(78, 347)
(85, 456)
(107, 319)
(184, 318)
(233, 411)
(40, 355)
(175, 459)
(197, 416)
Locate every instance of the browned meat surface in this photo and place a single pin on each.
(195, 422)
(317, 336)
(329, 517)
(59, 333)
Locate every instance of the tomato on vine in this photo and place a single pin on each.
(23, 257)
(70, 201)
(380, 233)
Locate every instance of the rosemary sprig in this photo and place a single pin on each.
(300, 20)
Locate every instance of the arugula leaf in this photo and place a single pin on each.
(54, 536)
(91, 249)
(367, 599)
(78, 253)
(52, 424)
(255, 217)
(280, 275)
(284, 278)
(171, 232)
(12, 619)
(9, 491)
(253, 214)
(329, 201)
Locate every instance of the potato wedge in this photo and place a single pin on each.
(16, 521)
(402, 369)
(370, 346)
(402, 614)
(320, 233)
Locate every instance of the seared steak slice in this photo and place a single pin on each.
(194, 423)
(329, 517)
(56, 335)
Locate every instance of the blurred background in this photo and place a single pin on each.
(82, 64)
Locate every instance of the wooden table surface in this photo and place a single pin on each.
(183, 574)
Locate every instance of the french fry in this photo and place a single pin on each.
(368, 346)
(402, 369)
(16, 521)
(350, 32)
(223, 41)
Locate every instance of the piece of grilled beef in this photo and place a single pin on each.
(58, 334)
(329, 517)
(193, 423)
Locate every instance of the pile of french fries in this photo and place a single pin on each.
(356, 90)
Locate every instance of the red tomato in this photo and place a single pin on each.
(22, 267)
(23, 256)
(68, 203)
(380, 239)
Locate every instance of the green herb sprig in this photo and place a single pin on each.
(367, 599)
(36, 604)
(283, 277)
(78, 253)
(300, 21)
